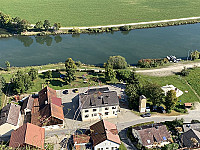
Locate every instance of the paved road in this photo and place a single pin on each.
(193, 114)
(140, 23)
(170, 69)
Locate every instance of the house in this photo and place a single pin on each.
(28, 135)
(153, 135)
(98, 103)
(27, 105)
(190, 139)
(47, 109)
(47, 96)
(9, 119)
(81, 142)
(104, 136)
(171, 87)
(142, 103)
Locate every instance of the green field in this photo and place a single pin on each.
(99, 12)
(180, 82)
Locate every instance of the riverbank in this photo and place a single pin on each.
(109, 28)
(119, 27)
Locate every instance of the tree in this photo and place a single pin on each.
(23, 24)
(70, 70)
(46, 24)
(154, 93)
(7, 63)
(171, 100)
(21, 82)
(195, 55)
(48, 74)
(133, 90)
(118, 62)
(109, 72)
(39, 25)
(56, 26)
(33, 73)
(123, 75)
(172, 146)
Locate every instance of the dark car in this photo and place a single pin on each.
(75, 90)
(161, 109)
(65, 92)
(146, 115)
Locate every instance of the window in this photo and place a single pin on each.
(98, 148)
(107, 148)
(113, 107)
(106, 108)
(100, 109)
(95, 114)
(86, 116)
(106, 113)
(113, 112)
(86, 110)
(94, 110)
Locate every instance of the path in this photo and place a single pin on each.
(130, 24)
(170, 70)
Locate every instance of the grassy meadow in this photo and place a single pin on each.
(180, 82)
(99, 12)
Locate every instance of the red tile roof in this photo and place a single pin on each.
(28, 134)
(56, 101)
(57, 112)
(49, 94)
(81, 138)
(104, 130)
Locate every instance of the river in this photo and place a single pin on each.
(96, 48)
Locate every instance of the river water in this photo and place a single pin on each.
(96, 48)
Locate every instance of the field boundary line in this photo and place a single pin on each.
(129, 24)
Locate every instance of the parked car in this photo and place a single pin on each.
(161, 109)
(154, 108)
(75, 90)
(146, 115)
(65, 92)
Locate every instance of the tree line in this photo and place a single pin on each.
(16, 24)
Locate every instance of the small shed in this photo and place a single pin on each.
(142, 103)
(188, 105)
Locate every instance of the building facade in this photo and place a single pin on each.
(98, 105)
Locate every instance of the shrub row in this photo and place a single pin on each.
(149, 63)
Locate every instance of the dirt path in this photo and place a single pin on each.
(140, 23)
(170, 70)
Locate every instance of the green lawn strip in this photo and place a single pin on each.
(178, 82)
(194, 79)
(93, 12)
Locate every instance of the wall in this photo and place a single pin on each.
(100, 112)
(107, 145)
(6, 129)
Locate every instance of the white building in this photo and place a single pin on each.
(105, 136)
(98, 104)
(171, 87)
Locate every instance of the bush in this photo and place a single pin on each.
(195, 121)
(180, 110)
(185, 72)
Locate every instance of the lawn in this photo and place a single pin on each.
(103, 12)
(193, 79)
(57, 83)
